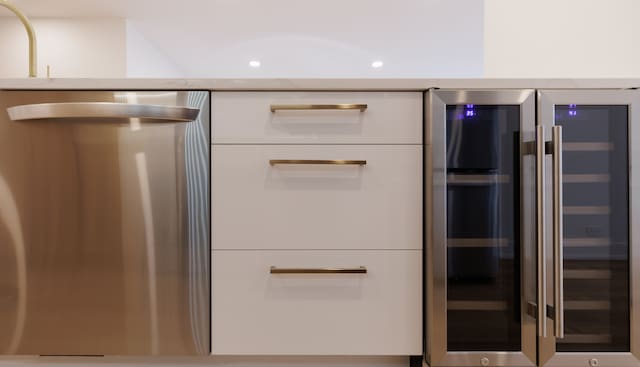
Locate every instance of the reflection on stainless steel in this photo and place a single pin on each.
(10, 219)
(110, 227)
(198, 216)
(147, 215)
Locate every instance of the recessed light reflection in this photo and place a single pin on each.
(377, 64)
(254, 63)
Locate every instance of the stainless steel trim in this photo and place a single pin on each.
(358, 270)
(333, 162)
(477, 306)
(548, 355)
(437, 353)
(477, 242)
(586, 178)
(436, 240)
(108, 110)
(340, 106)
(634, 223)
(558, 282)
(587, 147)
(508, 359)
(586, 210)
(458, 179)
(540, 235)
(615, 359)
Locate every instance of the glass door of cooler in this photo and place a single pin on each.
(591, 263)
(480, 220)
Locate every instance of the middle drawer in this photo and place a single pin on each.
(375, 203)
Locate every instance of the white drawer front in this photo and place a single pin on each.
(256, 205)
(377, 313)
(246, 117)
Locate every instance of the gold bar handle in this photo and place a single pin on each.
(558, 270)
(359, 270)
(298, 107)
(336, 162)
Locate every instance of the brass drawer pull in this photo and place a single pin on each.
(338, 162)
(359, 270)
(298, 107)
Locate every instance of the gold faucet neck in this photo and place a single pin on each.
(31, 34)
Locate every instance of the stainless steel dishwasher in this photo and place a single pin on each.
(104, 223)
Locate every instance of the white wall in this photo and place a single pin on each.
(73, 47)
(329, 38)
(145, 59)
(562, 38)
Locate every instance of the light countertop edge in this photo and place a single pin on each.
(311, 84)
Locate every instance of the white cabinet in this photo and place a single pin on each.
(313, 189)
(257, 205)
(256, 312)
(247, 117)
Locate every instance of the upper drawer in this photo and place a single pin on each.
(247, 117)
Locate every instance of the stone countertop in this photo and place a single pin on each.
(310, 84)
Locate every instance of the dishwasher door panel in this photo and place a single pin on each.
(104, 235)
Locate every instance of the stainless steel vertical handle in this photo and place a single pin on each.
(540, 233)
(558, 270)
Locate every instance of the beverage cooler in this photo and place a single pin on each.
(530, 208)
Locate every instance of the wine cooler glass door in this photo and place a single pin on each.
(591, 262)
(481, 245)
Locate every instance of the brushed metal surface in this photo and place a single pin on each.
(104, 231)
(540, 233)
(107, 110)
(558, 268)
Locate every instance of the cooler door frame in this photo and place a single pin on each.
(547, 100)
(436, 353)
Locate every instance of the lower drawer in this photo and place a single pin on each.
(257, 312)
